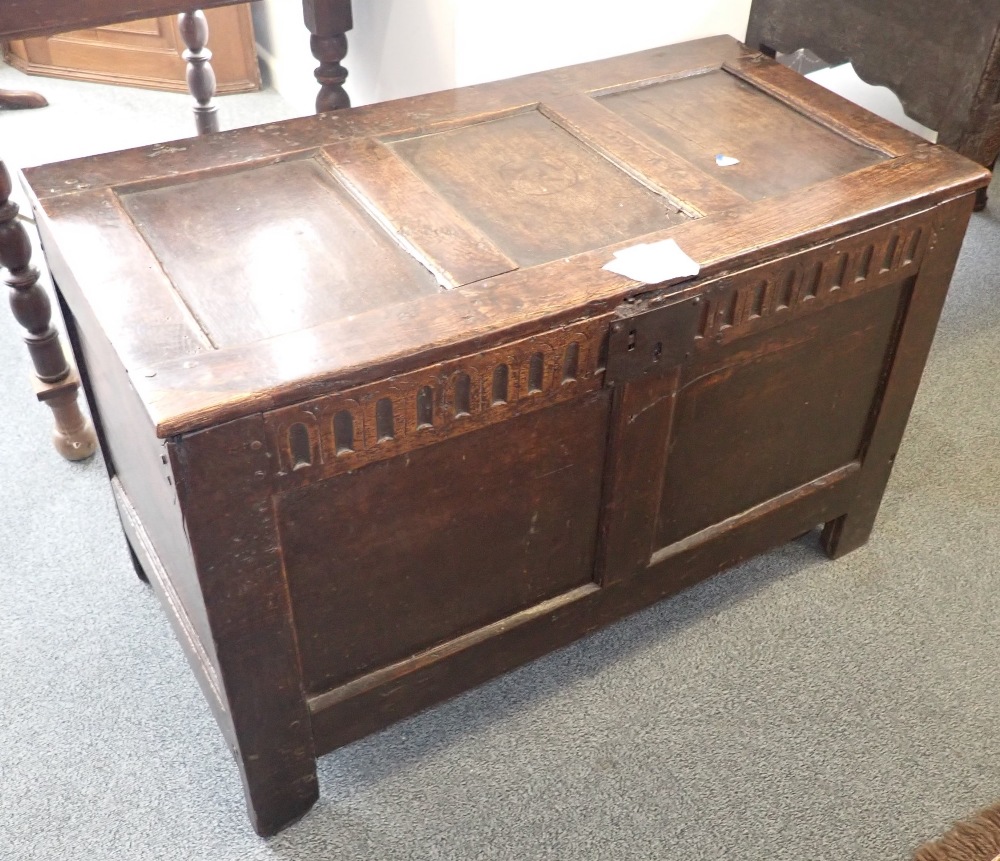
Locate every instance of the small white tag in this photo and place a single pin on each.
(653, 263)
(726, 160)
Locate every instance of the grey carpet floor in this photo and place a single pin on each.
(790, 708)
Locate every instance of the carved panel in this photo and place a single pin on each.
(769, 295)
(347, 430)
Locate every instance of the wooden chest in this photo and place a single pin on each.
(379, 424)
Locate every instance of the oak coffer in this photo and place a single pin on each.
(380, 425)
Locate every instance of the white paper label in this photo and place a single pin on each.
(653, 262)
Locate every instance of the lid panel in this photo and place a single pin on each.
(534, 189)
(419, 218)
(271, 250)
(705, 115)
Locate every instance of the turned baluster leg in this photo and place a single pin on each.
(200, 75)
(56, 382)
(328, 22)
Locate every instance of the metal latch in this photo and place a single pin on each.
(652, 341)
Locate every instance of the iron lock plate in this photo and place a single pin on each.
(652, 341)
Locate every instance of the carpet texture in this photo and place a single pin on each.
(790, 708)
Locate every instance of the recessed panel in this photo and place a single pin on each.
(271, 250)
(766, 416)
(708, 115)
(534, 189)
(410, 552)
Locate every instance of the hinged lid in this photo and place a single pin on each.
(249, 270)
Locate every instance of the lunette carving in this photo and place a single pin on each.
(347, 430)
(767, 295)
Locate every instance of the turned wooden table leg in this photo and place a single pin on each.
(56, 382)
(329, 21)
(200, 75)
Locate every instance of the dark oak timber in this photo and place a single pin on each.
(193, 27)
(381, 427)
(237, 552)
(328, 21)
(56, 382)
(919, 321)
(889, 43)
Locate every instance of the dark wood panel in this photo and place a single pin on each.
(94, 261)
(775, 412)
(824, 106)
(299, 251)
(345, 719)
(534, 189)
(442, 238)
(135, 456)
(696, 191)
(443, 540)
(702, 116)
(196, 648)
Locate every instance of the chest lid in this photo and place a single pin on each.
(255, 268)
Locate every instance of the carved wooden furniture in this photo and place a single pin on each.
(942, 59)
(328, 21)
(56, 382)
(379, 424)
